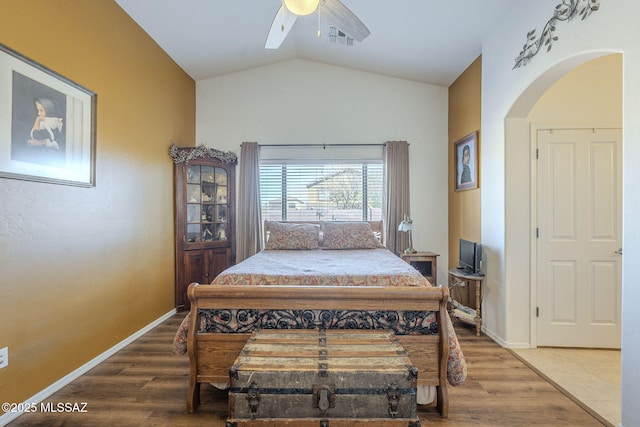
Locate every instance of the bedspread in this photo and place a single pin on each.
(357, 267)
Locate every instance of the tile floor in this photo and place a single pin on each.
(591, 376)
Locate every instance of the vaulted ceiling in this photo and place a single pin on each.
(423, 40)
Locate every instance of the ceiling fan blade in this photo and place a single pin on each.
(281, 26)
(341, 16)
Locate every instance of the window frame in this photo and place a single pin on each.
(367, 214)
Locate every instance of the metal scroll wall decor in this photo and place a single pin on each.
(565, 11)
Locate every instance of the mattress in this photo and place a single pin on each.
(322, 267)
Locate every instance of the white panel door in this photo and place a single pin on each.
(579, 238)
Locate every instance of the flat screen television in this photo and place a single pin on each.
(470, 256)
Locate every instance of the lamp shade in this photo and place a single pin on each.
(302, 7)
(405, 226)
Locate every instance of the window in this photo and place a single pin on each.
(321, 190)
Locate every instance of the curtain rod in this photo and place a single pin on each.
(322, 145)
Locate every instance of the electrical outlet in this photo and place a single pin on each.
(4, 357)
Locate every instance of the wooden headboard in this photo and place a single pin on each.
(376, 226)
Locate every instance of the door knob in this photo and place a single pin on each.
(618, 252)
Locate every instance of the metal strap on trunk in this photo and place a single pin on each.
(323, 367)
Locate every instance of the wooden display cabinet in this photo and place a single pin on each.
(205, 219)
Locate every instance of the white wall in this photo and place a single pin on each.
(303, 102)
(512, 93)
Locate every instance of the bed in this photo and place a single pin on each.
(333, 275)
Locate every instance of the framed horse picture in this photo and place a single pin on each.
(47, 124)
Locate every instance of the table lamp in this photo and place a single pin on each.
(407, 226)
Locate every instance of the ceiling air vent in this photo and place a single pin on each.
(338, 37)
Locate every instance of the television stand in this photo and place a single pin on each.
(459, 280)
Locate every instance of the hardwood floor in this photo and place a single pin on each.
(145, 384)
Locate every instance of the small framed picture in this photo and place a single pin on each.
(47, 124)
(466, 162)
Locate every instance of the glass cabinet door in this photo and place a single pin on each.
(207, 206)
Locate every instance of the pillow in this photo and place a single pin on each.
(292, 236)
(349, 235)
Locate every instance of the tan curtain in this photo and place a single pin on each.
(249, 239)
(396, 201)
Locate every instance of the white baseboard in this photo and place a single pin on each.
(493, 336)
(39, 397)
(502, 343)
(518, 345)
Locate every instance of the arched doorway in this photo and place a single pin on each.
(576, 191)
(576, 94)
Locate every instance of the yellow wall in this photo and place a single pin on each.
(590, 93)
(464, 118)
(83, 268)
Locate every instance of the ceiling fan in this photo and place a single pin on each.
(331, 10)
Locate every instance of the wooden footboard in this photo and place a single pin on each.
(211, 354)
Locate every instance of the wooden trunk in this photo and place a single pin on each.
(322, 378)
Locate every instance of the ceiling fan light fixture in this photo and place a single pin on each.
(302, 7)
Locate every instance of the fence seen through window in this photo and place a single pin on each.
(321, 191)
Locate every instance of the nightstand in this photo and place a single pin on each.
(426, 263)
